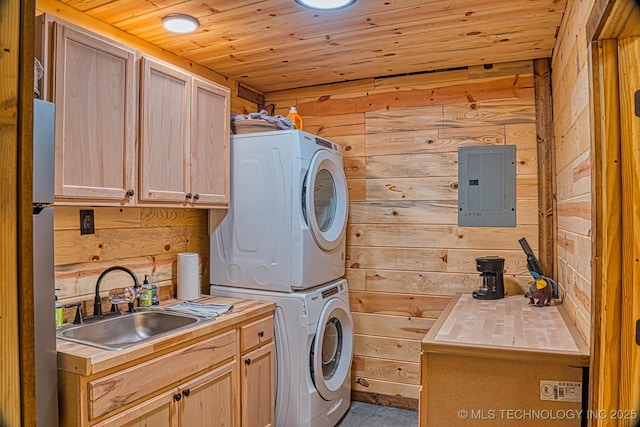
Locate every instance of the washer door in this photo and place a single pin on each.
(332, 349)
(325, 200)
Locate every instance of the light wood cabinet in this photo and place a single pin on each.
(210, 400)
(210, 174)
(95, 108)
(258, 387)
(159, 411)
(184, 138)
(206, 401)
(220, 375)
(164, 133)
(181, 158)
(257, 365)
(485, 360)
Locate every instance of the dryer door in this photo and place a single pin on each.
(325, 200)
(332, 349)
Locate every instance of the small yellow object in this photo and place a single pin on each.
(541, 283)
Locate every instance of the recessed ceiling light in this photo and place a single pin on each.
(326, 4)
(179, 23)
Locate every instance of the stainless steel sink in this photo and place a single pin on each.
(125, 330)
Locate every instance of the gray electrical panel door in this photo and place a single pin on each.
(487, 186)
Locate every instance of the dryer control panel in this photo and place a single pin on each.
(329, 292)
(328, 144)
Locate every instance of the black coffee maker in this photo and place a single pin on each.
(491, 268)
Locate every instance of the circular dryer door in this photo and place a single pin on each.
(325, 200)
(332, 349)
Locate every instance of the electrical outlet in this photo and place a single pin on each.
(87, 225)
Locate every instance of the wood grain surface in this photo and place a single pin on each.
(406, 257)
(509, 322)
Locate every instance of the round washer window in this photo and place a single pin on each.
(331, 347)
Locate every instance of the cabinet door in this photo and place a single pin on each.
(164, 133)
(257, 387)
(210, 108)
(210, 399)
(159, 411)
(95, 118)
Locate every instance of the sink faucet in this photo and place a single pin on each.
(97, 302)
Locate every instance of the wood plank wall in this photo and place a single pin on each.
(572, 129)
(406, 256)
(146, 240)
(15, 372)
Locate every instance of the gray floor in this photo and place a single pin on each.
(368, 415)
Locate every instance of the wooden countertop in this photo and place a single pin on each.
(87, 360)
(507, 328)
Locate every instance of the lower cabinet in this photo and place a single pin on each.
(257, 387)
(205, 401)
(257, 372)
(209, 400)
(157, 412)
(215, 382)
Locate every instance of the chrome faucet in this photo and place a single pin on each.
(97, 302)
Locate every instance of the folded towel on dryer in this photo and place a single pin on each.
(283, 123)
(209, 311)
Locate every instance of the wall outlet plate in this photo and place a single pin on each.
(87, 225)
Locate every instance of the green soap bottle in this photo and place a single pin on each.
(145, 294)
(59, 312)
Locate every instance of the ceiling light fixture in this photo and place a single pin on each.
(179, 23)
(326, 4)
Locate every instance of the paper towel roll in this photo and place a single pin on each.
(188, 276)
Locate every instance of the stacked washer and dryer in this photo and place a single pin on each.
(283, 240)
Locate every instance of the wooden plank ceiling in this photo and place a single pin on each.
(272, 45)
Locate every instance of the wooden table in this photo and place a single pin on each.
(502, 363)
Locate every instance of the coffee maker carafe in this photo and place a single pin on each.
(491, 269)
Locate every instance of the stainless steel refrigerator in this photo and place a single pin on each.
(43, 267)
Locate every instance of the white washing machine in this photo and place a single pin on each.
(314, 348)
(285, 227)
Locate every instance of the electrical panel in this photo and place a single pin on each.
(487, 186)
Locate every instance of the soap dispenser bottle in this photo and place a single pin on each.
(145, 293)
(59, 312)
(297, 120)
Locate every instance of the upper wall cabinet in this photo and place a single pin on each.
(210, 111)
(95, 106)
(184, 138)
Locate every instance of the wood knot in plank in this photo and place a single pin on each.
(363, 382)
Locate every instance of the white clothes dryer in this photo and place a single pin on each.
(285, 227)
(314, 348)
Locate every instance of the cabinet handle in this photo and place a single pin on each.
(247, 362)
(130, 192)
(177, 397)
(196, 196)
(187, 196)
(261, 334)
(186, 392)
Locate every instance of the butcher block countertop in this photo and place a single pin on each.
(507, 328)
(87, 360)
